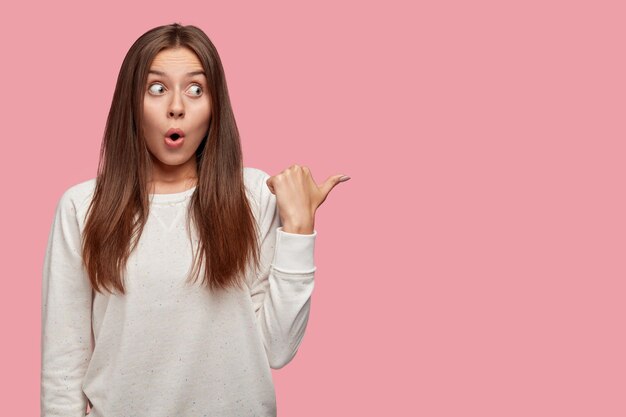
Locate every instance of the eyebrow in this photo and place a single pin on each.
(189, 74)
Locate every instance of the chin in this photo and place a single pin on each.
(170, 160)
(173, 161)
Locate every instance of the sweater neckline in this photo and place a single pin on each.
(172, 197)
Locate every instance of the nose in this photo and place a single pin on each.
(176, 108)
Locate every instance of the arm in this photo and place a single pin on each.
(66, 336)
(281, 292)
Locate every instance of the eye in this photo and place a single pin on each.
(154, 90)
(198, 87)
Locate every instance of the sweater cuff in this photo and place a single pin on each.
(294, 252)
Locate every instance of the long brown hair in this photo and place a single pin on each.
(219, 208)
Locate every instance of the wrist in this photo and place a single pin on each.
(301, 228)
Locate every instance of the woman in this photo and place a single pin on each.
(175, 279)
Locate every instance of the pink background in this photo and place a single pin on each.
(473, 265)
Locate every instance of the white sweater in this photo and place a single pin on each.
(167, 348)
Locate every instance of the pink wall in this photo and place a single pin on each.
(472, 266)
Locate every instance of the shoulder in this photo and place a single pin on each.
(254, 175)
(76, 198)
(255, 180)
(80, 192)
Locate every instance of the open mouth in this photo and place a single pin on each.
(174, 136)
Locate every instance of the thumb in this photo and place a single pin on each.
(331, 182)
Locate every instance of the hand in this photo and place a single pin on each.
(298, 197)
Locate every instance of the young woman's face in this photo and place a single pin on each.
(176, 97)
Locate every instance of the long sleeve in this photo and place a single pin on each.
(281, 292)
(66, 335)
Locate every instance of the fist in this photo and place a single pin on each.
(298, 196)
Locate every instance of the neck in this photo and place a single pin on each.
(173, 178)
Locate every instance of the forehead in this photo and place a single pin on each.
(175, 60)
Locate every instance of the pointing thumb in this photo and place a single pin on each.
(332, 181)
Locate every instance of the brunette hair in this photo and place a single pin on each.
(219, 208)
